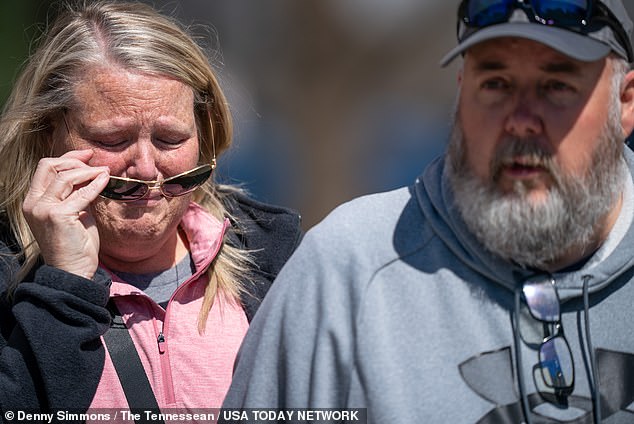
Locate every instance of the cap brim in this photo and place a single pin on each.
(574, 45)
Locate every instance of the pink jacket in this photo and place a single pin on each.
(185, 369)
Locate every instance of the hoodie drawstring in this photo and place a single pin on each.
(593, 380)
(518, 357)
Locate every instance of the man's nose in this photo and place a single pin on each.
(525, 118)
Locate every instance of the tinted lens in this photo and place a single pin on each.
(562, 12)
(183, 184)
(121, 189)
(541, 298)
(481, 13)
(555, 361)
(489, 12)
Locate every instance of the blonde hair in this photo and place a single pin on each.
(136, 37)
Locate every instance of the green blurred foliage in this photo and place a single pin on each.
(18, 28)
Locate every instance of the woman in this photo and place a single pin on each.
(109, 141)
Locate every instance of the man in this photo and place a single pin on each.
(498, 288)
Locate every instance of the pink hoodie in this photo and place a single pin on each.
(186, 369)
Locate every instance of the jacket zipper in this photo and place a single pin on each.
(166, 371)
(161, 340)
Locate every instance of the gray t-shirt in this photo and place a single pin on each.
(159, 286)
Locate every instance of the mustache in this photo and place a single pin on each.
(528, 152)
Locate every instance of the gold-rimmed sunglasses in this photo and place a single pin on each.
(123, 189)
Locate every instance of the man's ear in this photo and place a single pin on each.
(627, 104)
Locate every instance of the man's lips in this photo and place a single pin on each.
(522, 168)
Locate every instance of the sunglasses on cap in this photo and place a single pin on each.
(124, 189)
(580, 16)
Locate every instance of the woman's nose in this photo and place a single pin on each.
(142, 160)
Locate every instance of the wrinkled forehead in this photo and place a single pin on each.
(110, 92)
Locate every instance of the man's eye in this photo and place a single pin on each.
(495, 84)
(557, 86)
(559, 93)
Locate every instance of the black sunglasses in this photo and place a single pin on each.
(128, 189)
(581, 16)
(555, 358)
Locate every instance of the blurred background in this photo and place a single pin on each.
(332, 99)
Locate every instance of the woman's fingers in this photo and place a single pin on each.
(48, 168)
(57, 178)
(57, 211)
(77, 183)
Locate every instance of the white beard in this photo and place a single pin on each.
(514, 228)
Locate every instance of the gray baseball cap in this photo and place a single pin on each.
(587, 44)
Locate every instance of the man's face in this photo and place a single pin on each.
(516, 88)
(535, 151)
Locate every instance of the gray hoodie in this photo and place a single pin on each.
(390, 304)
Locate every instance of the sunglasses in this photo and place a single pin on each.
(574, 15)
(124, 189)
(555, 358)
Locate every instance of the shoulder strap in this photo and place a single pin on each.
(129, 368)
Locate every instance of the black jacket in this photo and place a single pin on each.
(51, 356)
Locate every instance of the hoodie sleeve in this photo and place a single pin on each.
(51, 357)
(298, 352)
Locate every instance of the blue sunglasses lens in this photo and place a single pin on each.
(481, 13)
(556, 363)
(569, 12)
(486, 12)
(541, 298)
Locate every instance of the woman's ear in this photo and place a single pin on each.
(627, 104)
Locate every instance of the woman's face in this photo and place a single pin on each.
(142, 127)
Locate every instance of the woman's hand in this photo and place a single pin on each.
(56, 208)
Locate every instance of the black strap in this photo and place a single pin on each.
(129, 368)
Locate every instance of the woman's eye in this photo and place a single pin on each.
(172, 140)
(109, 143)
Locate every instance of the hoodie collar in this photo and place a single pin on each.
(616, 255)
